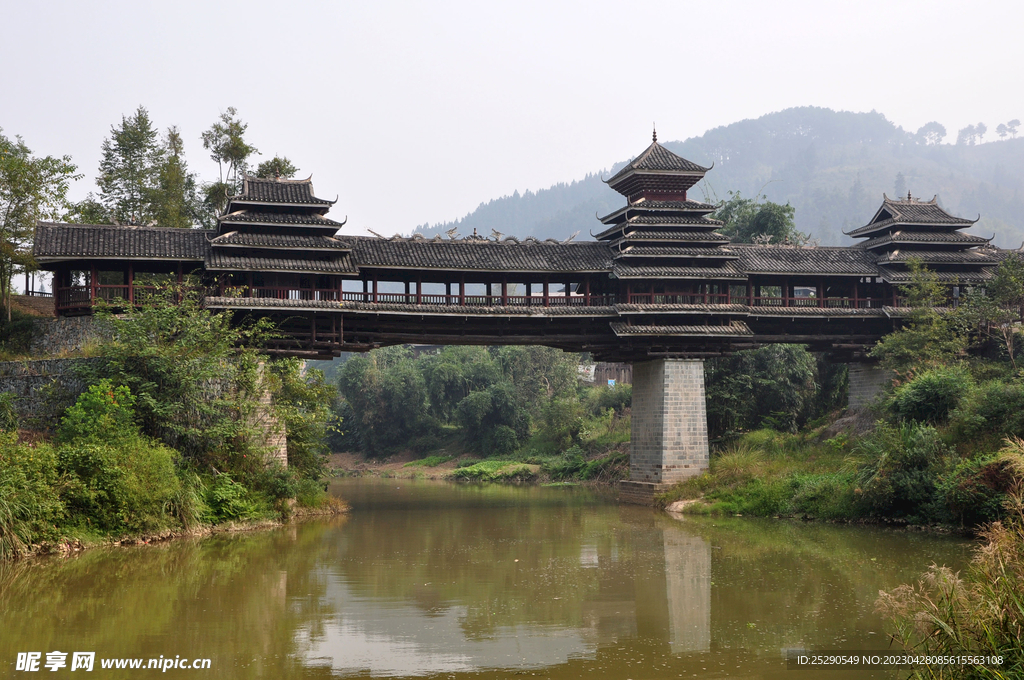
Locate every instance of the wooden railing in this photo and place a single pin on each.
(681, 299)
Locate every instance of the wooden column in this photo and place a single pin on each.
(462, 290)
(856, 293)
(406, 291)
(504, 291)
(131, 283)
(375, 286)
(419, 289)
(785, 293)
(586, 289)
(92, 283)
(546, 292)
(750, 293)
(821, 293)
(447, 292)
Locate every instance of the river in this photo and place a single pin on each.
(430, 579)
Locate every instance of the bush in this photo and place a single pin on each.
(16, 335)
(993, 407)
(30, 504)
(123, 487)
(976, 490)
(496, 471)
(229, 500)
(103, 413)
(931, 396)
(900, 478)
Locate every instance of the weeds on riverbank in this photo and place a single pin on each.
(980, 613)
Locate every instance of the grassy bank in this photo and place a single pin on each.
(904, 473)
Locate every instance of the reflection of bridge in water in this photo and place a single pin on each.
(659, 287)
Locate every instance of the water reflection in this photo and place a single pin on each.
(474, 581)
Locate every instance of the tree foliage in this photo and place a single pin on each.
(278, 166)
(225, 140)
(129, 169)
(195, 375)
(930, 336)
(31, 189)
(175, 196)
(751, 220)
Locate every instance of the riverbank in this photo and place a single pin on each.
(607, 465)
(69, 545)
(904, 475)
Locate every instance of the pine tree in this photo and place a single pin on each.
(175, 199)
(128, 171)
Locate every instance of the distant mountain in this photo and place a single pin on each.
(832, 166)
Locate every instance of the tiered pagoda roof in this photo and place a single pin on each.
(660, 232)
(278, 225)
(909, 229)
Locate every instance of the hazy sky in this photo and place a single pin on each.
(417, 112)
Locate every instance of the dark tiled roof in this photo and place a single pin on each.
(791, 260)
(901, 276)
(910, 212)
(245, 240)
(735, 328)
(464, 310)
(218, 260)
(925, 237)
(671, 220)
(55, 241)
(670, 251)
(290, 218)
(674, 236)
(628, 271)
(954, 256)
(657, 158)
(634, 308)
(218, 302)
(482, 255)
(813, 311)
(278, 191)
(642, 207)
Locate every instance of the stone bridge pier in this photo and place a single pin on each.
(669, 439)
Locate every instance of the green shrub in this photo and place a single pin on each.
(495, 471)
(119, 487)
(976, 490)
(825, 496)
(103, 413)
(931, 396)
(30, 504)
(311, 493)
(993, 407)
(899, 479)
(566, 465)
(504, 440)
(229, 500)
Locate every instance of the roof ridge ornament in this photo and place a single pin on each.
(655, 135)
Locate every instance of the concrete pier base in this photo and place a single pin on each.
(867, 382)
(669, 438)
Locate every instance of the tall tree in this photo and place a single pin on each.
(932, 133)
(129, 168)
(1012, 126)
(225, 140)
(176, 201)
(278, 166)
(31, 189)
(749, 220)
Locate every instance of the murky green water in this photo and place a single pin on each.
(455, 581)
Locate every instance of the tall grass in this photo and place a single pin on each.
(980, 613)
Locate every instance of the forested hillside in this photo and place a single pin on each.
(831, 166)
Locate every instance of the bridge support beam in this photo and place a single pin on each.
(867, 382)
(669, 439)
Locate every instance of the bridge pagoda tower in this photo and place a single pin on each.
(669, 258)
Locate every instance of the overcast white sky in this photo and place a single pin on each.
(417, 112)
